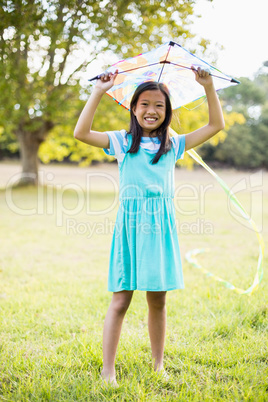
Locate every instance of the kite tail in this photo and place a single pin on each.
(191, 255)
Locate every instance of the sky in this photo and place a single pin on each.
(241, 26)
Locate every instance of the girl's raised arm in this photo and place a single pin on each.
(216, 121)
(82, 131)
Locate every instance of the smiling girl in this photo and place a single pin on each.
(145, 252)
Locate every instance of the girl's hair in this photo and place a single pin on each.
(162, 131)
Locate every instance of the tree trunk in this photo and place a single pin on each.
(29, 145)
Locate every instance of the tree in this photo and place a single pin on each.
(195, 115)
(40, 40)
(246, 145)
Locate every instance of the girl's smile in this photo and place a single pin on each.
(150, 110)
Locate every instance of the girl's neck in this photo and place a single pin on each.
(152, 136)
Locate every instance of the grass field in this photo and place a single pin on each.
(53, 293)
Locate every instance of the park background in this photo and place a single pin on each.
(56, 223)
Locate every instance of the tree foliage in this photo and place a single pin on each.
(246, 145)
(194, 116)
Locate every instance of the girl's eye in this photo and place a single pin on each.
(160, 105)
(144, 104)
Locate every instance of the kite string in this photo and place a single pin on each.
(190, 256)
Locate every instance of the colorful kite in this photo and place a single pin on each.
(172, 64)
(169, 63)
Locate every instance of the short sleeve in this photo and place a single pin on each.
(118, 144)
(179, 146)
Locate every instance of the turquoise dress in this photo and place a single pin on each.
(145, 253)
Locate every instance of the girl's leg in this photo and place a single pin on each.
(157, 326)
(111, 331)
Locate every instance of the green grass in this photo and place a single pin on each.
(53, 301)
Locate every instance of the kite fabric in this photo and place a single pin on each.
(191, 255)
(170, 64)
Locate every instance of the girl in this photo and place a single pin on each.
(145, 251)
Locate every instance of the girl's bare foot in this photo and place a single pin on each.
(109, 379)
(163, 374)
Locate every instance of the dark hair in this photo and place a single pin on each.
(162, 131)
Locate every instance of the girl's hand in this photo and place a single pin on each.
(202, 76)
(106, 81)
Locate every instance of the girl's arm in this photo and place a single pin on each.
(216, 121)
(82, 131)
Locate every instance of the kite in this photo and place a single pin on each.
(172, 65)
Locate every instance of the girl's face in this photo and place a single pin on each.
(150, 110)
